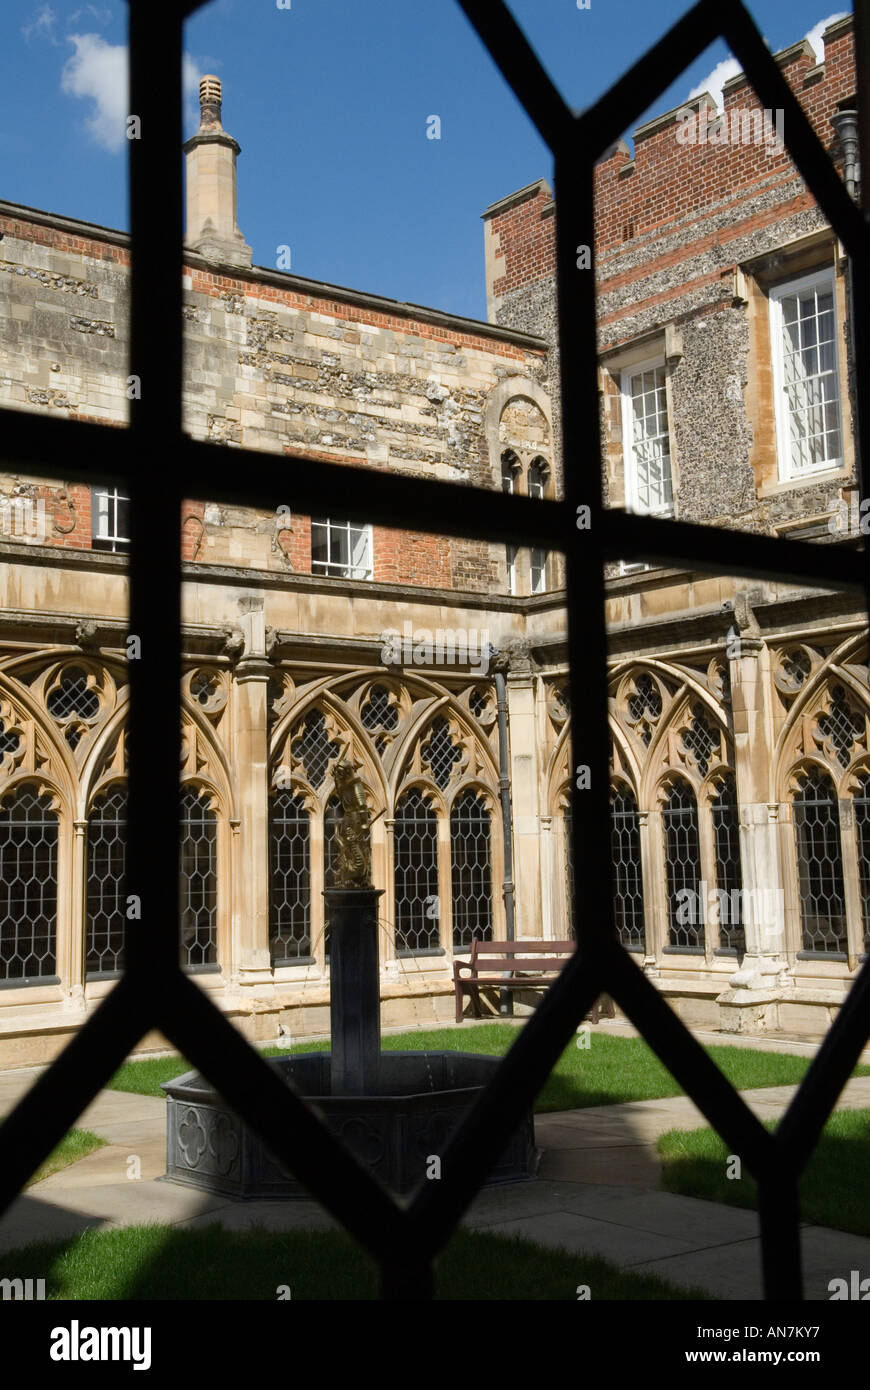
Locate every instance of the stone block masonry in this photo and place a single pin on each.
(274, 363)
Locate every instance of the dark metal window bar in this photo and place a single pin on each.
(153, 991)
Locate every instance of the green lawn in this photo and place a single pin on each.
(159, 1262)
(71, 1148)
(610, 1071)
(834, 1188)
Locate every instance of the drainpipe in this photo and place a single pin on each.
(845, 123)
(506, 1006)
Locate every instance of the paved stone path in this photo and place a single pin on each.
(597, 1193)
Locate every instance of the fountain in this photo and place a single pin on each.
(394, 1110)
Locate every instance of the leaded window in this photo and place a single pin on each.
(440, 752)
(378, 712)
(314, 748)
(73, 704)
(471, 869)
(841, 727)
(415, 836)
(729, 878)
(289, 879)
(861, 807)
(627, 872)
(198, 879)
(644, 707)
(333, 815)
(106, 891)
(9, 742)
(683, 867)
(701, 739)
(820, 864)
(28, 886)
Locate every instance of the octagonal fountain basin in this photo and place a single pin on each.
(422, 1097)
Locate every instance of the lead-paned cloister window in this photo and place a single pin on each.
(28, 885)
(105, 884)
(627, 871)
(682, 866)
(290, 878)
(861, 810)
(415, 833)
(729, 879)
(815, 812)
(471, 869)
(199, 879)
(824, 758)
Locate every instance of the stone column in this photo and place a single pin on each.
(552, 866)
(252, 957)
(765, 959)
(70, 945)
(525, 803)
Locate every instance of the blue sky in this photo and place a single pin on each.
(330, 101)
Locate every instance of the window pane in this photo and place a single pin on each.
(683, 865)
(290, 879)
(820, 864)
(416, 874)
(28, 886)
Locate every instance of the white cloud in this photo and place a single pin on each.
(42, 26)
(102, 16)
(815, 35)
(729, 67)
(97, 72)
(714, 81)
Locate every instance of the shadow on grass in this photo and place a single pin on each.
(833, 1188)
(610, 1071)
(154, 1262)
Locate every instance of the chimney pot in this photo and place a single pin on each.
(210, 98)
(212, 226)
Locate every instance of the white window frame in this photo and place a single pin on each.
(335, 569)
(786, 471)
(538, 556)
(511, 562)
(632, 502)
(104, 510)
(538, 569)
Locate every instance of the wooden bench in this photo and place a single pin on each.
(515, 965)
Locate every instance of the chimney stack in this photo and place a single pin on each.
(212, 229)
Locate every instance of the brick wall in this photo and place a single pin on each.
(688, 238)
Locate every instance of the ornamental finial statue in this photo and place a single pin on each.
(352, 833)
